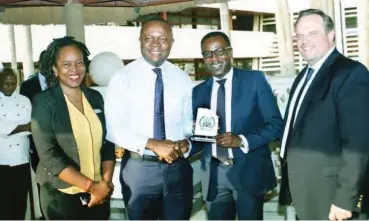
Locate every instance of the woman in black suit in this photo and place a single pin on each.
(68, 128)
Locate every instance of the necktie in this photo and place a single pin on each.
(293, 116)
(222, 153)
(159, 122)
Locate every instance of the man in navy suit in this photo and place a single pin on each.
(325, 144)
(236, 170)
(30, 88)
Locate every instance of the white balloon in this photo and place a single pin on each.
(103, 66)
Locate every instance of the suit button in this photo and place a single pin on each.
(45, 169)
(49, 174)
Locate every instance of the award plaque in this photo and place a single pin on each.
(206, 127)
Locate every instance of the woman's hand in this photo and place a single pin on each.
(99, 191)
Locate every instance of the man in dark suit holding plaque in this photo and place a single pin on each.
(237, 169)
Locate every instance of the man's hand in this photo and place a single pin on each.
(228, 140)
(165, 149)
(337, 213)
(182, 146)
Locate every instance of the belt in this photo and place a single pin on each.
(137, 156)
(228, 162)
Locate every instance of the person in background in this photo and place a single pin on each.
(30, 88)
(15, 117)
(149, 113)
(325, 145)
(68, 127)
(237, 170)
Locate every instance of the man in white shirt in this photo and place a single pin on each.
(149, 113)
(237, 170)
(15, 117)
(325, 144)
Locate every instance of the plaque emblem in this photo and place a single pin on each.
(206, 127)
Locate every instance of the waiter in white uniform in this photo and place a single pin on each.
(15, 117)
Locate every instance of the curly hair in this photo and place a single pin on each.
(52, 53)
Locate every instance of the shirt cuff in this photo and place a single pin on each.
(189, 148)
(245, 147)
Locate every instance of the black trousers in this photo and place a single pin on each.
(14, 187)
(156, 190)
(58, 205)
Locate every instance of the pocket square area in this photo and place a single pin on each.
(97, 111)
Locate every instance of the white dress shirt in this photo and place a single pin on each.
(316, 68)
(129, 105)
(14, 110)
(43, 81)
(228, 110)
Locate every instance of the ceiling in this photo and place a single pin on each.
(89, 3)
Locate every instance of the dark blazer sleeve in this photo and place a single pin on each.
(108, 148)
(52, 157)
(353, 116)
(196, 146)
(272, 127)
(25, 90)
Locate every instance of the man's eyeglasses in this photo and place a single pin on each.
(218, 52)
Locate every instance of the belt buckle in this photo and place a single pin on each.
(228, 162)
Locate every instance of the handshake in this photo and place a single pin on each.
(168, 150)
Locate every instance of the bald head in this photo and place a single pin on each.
(156, 41)
(162, 22)
(8, 81)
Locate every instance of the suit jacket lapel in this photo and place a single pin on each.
(205, 102)
(95, 104)
(315, 86)
(62, 112)
(37, 86)
(236, 94)
(207, 93)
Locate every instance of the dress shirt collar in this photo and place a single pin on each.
(228, 76)
(42, 80)
(3, 96)
(147, 65)
(319, 64)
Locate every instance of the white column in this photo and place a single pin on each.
(74, 20)
(13, 52)
(338, 16)
(363, 27)
(284, 35)
(256, 28)
(224, 18)
(28, 68)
